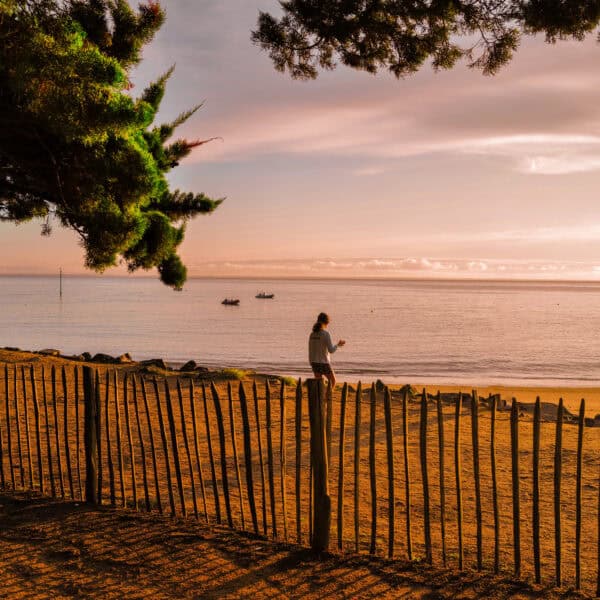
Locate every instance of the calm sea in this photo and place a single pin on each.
(447, 332)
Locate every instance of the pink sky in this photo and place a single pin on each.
(441, 175)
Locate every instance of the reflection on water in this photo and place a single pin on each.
(484, 332)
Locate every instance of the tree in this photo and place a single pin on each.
(400, 35)
(76, 147)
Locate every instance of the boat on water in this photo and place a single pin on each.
(264, 295)
(230, 302)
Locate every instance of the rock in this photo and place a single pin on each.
(49, 352)
(11, 349)
(86, 356)
(103, 358)
(202, 370)
(190, 365)
(589, 422)
(124, 358)
(379, 386)
(154, 362)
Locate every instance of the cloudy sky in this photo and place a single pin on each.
(449, 174)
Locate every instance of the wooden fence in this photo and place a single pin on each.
(452, 482)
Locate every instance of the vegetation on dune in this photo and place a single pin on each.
(401, 35)
(76, 147)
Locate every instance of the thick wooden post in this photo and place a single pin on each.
(318, 454)
(340, 509)
(90, 441)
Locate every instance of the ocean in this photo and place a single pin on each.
(447, 332)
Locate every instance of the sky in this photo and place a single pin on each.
(451, 174)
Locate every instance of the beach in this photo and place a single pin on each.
(591, 455)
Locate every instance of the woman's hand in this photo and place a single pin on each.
(341, 343)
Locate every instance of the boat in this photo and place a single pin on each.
(230, 302)
(264, 295)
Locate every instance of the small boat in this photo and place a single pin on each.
(230, 302)
(264, 295)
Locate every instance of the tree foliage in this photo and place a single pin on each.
(76, 147)
(401, 35)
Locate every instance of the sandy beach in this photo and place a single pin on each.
(524, 395)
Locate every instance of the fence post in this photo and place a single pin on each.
(318, 457)
(90, 441)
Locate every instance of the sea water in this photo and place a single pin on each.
(427, 331)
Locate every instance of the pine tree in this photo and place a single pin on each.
(76, 147)
(401, 35)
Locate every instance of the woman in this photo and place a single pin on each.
(320, 347)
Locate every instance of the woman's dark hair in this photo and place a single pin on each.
(322, 319)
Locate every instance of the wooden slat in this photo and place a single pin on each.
(90, 430)
(130, 440)
(387, 405)
(282, 457)
(270, 465)
(458, 478)
(109, 456)
(8, 427)
(77, 433)
(27, 431)
(298, 423)
(223, 450)
(197, 447)
(98, 416)
(476, 475)
(48, 445)
(186, 445)
(407, 495)
(557, 494)
(18, 427)
(57, 434)
(495, 503)
(152, 446)
(425, 477)
(175, 448)
(442, 479)
(578, 490)
(236, 463)
(67, 429)
(38, 436)
(536, 490)
(119, 436)
(357, 424)
(260, 458)
(211, 457)
(248, 456)
(136, 409)
(165, 446)
(373, 470)
(340, 507)
(514, 443)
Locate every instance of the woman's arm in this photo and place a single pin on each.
(329, 343)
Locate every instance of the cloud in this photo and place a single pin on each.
(404, 267)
